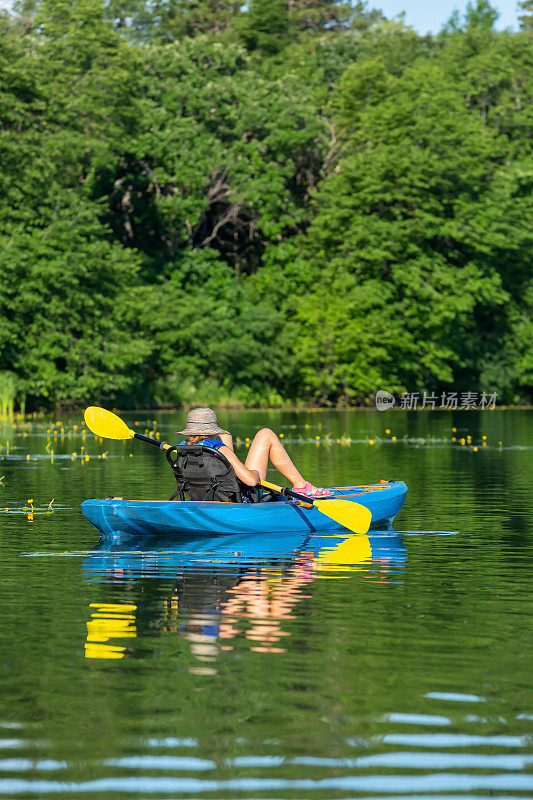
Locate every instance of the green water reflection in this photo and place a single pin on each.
(383, 666)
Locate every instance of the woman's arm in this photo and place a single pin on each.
(250, 477)
(227, 439)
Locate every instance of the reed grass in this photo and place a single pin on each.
(8, 393)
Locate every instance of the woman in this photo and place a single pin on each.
(202, 427)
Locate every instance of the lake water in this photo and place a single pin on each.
(263, 669)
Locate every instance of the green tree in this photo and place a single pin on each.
(526, 17)
(225, 159)
(412, 205)
(168, 20)
(324, 14)
(340, 204)
(64, 295)
(210, 331)
(480, 15)
(265, 26)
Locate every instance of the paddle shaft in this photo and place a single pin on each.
(289, 493)
(149, 440)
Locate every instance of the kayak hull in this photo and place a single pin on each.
(116, 518)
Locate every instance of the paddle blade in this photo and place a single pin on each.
(353, 516)
(106, 424)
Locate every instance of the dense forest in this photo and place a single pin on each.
(290, 200)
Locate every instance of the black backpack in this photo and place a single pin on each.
(202, 473)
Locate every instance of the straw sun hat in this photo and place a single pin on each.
(202, 422)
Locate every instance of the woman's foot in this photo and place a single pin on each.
(312, 491)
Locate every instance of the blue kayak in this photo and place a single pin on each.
(116, 517)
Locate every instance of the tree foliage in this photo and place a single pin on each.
(526, 16)
(282, 200)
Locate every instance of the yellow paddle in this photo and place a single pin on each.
(107, 425)
(353, 516)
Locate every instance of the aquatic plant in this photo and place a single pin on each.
(8, 393)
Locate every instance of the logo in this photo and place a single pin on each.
(384, 400)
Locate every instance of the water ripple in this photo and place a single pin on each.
(369, 783)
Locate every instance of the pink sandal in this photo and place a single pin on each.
(313, 491)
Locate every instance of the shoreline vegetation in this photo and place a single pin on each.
(13, 404)
(262, 206)
(9, 414)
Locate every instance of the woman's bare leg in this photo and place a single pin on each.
(265, 446)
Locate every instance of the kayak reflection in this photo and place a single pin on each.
(232, 587)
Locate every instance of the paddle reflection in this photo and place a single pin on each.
(230, 589)
(109, 621)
